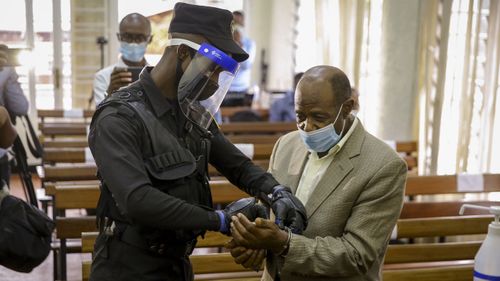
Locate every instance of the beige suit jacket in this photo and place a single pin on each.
(351, 212)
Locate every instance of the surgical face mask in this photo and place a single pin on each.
(322, 139)
(133, 52)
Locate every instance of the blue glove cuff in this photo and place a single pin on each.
(223, 227)
(280, 188)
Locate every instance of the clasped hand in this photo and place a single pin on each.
(252, 239)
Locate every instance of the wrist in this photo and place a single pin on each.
(283, 244)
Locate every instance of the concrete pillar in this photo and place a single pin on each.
(397, 98)
(89, 20)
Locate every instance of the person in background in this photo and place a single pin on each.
(351, 183)
(12, 99)
(238, 94)
(134, 37)
(283, 110)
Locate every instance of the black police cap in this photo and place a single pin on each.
(213, 23)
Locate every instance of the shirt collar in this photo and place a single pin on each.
(336, 148)
(158, 101)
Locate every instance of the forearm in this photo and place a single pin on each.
(151, 207)
(324, 256)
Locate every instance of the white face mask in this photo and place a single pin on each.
(322, 139)
(133, 52)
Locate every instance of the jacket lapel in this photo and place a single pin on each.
(297, 164)
(340, 167)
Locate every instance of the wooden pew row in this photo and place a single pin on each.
(224, 192)
(400, 261)
(449, 273)
(80, 129)
(226, 112)
(406, 228)
(431, 185)
(247, 138)
(79, 155)
(61, 113)
(88, 171)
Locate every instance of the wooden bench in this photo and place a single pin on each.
(246, 138)
(423, 258)
(70, 227)
(43, 114)
(427, 261)
(226, 112)
(54, 129)
(79, 155)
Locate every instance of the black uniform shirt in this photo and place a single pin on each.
(118, 142)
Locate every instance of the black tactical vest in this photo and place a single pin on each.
(175, 165)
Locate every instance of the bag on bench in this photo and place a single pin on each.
(25, 233)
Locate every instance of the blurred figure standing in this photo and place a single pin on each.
(238, 92)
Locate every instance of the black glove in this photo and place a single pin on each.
(246, 206)
(289, 211)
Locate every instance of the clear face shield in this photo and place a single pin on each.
(205, 81)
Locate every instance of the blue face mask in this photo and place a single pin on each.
(323, 139)
(133, 52)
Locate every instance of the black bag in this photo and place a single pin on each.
(25, 234)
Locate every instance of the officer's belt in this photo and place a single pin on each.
(175, 248)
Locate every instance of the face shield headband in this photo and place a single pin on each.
(205, 82)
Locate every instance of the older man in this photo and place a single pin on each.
(351, 183)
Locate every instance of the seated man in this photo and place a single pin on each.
(283, 110)
(351, 183)
(134, 37)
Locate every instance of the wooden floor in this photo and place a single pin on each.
(44, 271)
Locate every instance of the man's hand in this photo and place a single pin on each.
(120, 77)
(289, 211)
(246, 206)
(248, 258)
(262, 234)
(3, 55)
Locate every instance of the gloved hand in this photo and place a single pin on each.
(289, 211)
(246, 206)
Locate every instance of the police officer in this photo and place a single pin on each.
(152, 142)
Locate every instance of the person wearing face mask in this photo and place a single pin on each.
(351, 183)
(152, 142)
(134, 37)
